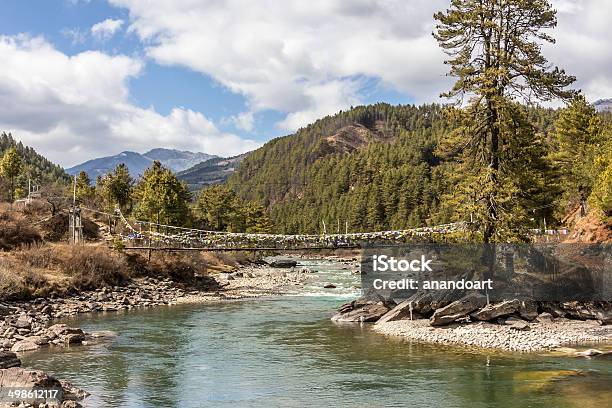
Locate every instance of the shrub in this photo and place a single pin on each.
(37, 256)
(92, 267)
(15, 233)
(17, 283)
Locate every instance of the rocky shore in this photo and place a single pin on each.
(535, 336)
(512, 325)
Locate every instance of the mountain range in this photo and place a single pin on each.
(603, 105)
(211, 171)
(137, 163)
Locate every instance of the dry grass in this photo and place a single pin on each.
(15, 232)
(92, 267)
(18, 283)
(40, 270)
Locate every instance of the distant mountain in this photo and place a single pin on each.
(137, 163)
(212, 171)
(177, 160)
(603, 105)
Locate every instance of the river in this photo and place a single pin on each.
(285, 351)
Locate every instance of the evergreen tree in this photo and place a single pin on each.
(161, 197)
(10, 168)
(84, 189)
(578, 137)
(217, 208)
(601, 195)
(496, 57)
(116, 189)
(256, 219)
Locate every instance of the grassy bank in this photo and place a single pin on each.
(43, 270)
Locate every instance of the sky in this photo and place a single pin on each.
(81, 79)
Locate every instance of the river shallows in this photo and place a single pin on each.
(286, 352)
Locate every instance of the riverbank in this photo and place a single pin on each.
(531, 337)
(28, 326)
(25, 325)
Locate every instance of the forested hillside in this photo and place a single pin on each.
(32, 165)
(370, 168)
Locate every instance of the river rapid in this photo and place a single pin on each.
(285, 351)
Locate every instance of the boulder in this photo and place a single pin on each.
(63, 330)
(553, 309)
(23, 378)
(329, 286)
(283, 263)
(457, 309)
(24, 345)
(9, 359)
(544, 317)
(362, 312)
(495, 310)
(604, 317)
(399, 312)
(588, 353)
(517, 324)
(40, 340)
(528, 309)
(72, 393)
(73, 338)
(23, 322)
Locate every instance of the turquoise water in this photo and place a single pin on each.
(286, 352)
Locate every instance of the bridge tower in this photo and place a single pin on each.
(75, 226)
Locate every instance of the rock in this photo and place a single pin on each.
(528, 309)
(368, 312)
(329, 286)
(495, 310)
(553, 309)
(399, 312)
(39, 340)
(518, 324)
(103, 334)
(588, 353)
(72, 393)
(9, 359)
(604, 317)
(73, 338)
(17, 377)
(23, 322)
(63, 329)
(23, 378)
(544, 317)
(283, 263)
(457, 309)
(24, 345)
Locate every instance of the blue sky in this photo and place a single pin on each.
(87, 78)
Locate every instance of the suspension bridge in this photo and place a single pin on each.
(145, 235)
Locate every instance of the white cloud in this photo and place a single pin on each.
(583, 48)
(75, 35)
(301, 57)
(73, 108)
(104, 30)
(243, 121)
